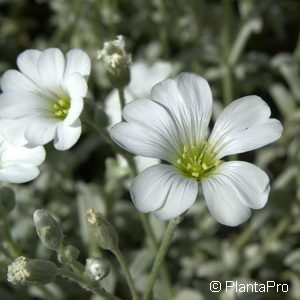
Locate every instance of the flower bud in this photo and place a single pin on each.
(31, 271)
(116, 61)
(68, 254)
(7, 201)
(104, 232)
(96, 269)
(48, 229)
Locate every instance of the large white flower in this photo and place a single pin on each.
(19, 164)
(45, 99)
(143, 78)
(173, 126)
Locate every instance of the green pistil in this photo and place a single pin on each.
(197, 162)
(61, 108)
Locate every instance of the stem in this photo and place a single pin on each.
(121, 98)
(13, 248)
(225, 41)
(128, 277)
(161, 255)
(86, 284)
(153, 244)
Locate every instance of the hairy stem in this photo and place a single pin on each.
(125, 269)
(85, 283)
(161, 255)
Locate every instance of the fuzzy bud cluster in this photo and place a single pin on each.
(116, 61)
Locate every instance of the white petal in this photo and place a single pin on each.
(144, 77)
(74, 111)
(161, 189)
(77, 88)
(77, 61)
(27, 62)
(143, 163)
(67, 136)
(236, 187)
(16, 104)
(137, 140)
(41, 131)
(156, 121)
(51, 67)
(15, 80)
(76, 85)
(113, 107)
(14, 130)
(189, 100)
(244, 125)
(18, 174)
(25, 157)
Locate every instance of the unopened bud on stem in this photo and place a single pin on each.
(96, 269)
(48, 229)
(105, 234)
(68, 254)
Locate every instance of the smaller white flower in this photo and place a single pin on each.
(43, 101)
(143, 78)
(19, 164)
(173, 126)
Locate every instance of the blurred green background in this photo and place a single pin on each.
(241, 47)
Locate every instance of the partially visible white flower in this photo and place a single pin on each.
(143, 78)
(19, 164)
(116, 61)
(173, 126)
(43, 101)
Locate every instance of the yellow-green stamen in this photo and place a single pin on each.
(197, 162)
(61, 108)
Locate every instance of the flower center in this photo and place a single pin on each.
(197, 162)
(61, 108)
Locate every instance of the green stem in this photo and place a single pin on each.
(153, 244)
(161, 255)
(121, 97)
(225, 40)
(13, 248)
(85, 283)
(125, 269)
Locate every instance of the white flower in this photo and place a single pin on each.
(173, 126)
(143, 78)
(45, 99)
(19, 164)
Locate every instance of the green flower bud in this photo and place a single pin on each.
(7, 201)
(96, 269)
(104, 232)
(31, 271)
(116, 61)
(68, 254)
(48, 229)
